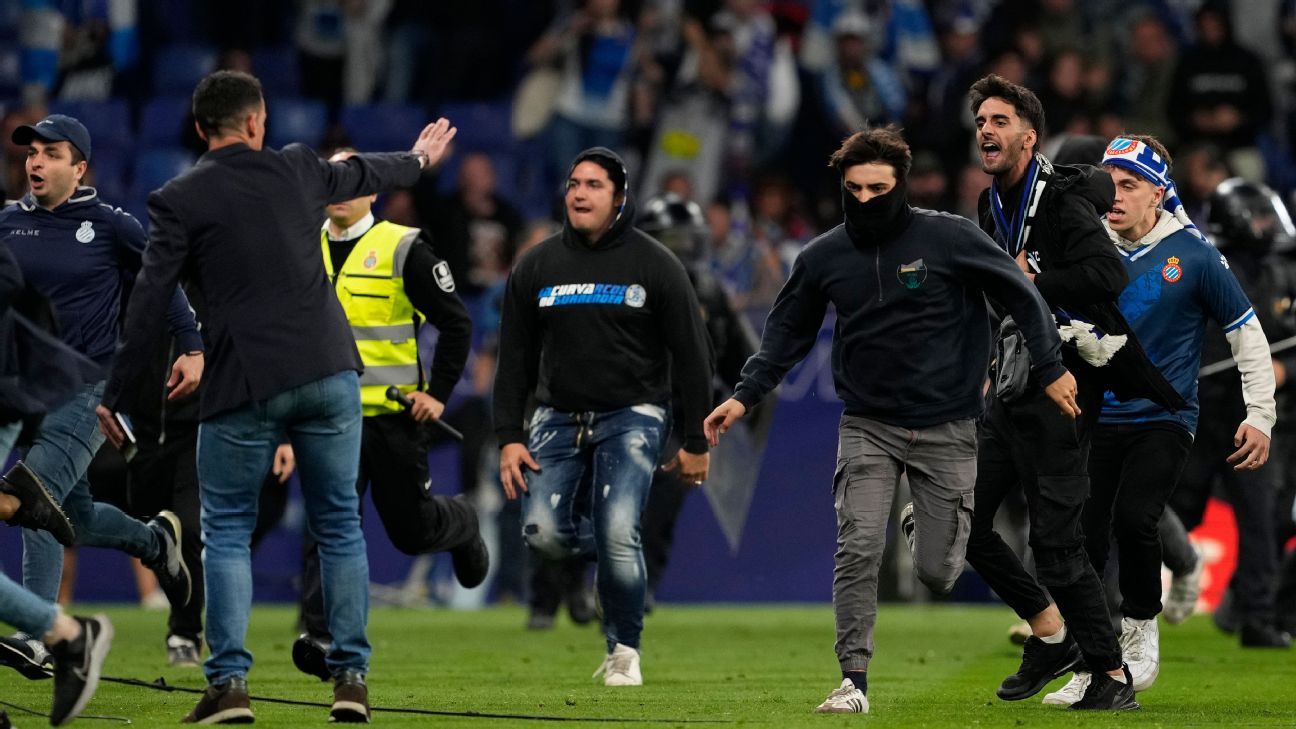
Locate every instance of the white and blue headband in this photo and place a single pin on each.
(1142, 160)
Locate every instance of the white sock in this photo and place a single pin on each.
(1056, 638)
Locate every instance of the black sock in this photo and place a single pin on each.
(859, 678)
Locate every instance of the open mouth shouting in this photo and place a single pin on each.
(991, 153)
(37, 183)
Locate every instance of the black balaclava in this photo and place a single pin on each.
(880, 219)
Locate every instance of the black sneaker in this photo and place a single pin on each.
(38, 509)
(308, 655)
(77, 664)
(1107, 694)
(350, 698)
(907, 524)
(1261, 635)
(224, 703)
(1041, 662)
(26, 655)
(169, 565)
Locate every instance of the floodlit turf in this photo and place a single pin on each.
(766, 666)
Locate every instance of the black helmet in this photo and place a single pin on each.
(1250, 216)
(678, 223)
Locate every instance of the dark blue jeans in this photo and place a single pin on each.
(235, 449)
(586, 500)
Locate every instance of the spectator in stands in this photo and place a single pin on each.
(475, 230)
(1220, 93)
(859, 89)
(595, 48)
(1202, 168)
(1066, 103)
(1147, 72)
(776, 222)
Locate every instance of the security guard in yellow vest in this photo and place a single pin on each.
(389, 281)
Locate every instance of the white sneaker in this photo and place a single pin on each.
(1181, 600)
(621, 667)
(1072, 692)
(1141, 645)
(845, 699)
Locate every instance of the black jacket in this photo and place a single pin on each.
(1081, 273)
(243, 227)
(911, 345)
(594, 328)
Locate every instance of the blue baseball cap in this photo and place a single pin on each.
(55, 128)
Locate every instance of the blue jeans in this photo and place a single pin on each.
(65, 444)
(18, 607)
(235, 449)
(587, 498)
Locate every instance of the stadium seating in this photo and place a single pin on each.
(178, 68)
(482, 125)
(109, 122)
(161, 121)
(154, 167)
(383, 127)
(276, 67)
(295, 120)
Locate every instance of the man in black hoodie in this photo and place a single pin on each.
(600, 324)
(911, 348)
(1047, 217)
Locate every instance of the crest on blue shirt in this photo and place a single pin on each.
(1172, 272)
(912, 275)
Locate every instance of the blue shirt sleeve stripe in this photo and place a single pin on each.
(1240, 321)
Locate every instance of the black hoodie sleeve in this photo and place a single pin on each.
(1081, 266)
(443, 310)
(692, 363)
(11, 279)
(981, 262)
(790, 332)
(519, 354)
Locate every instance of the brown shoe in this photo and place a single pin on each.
(350, 698)
(225, 703)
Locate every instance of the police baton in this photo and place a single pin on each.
(1214, 368)
(395, 395)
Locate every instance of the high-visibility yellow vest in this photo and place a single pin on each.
(371, 287)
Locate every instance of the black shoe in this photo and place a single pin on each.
(224, 703)
(26, 655)
(1107, 694)
(77, 664)
(540, 621)
(350, 699)
(38, 509)
(1261, 635)
(308, 655)
(1041, 662)
(169, 565)
(907, 524)
(1225, 617)
(471, 562)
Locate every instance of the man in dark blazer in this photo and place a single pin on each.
(243, 226)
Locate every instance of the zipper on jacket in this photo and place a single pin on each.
(877, 269)
(162, 417)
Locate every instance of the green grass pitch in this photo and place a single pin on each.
(756, 666)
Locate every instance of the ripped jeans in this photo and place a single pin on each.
(587, 498)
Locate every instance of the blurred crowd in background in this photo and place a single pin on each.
(733, 104)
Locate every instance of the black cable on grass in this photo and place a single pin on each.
(33, 712)
(160, 684)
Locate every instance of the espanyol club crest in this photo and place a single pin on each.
(635, 296)
(370, 260)
(913, 274)
(85, 233)
(444, 280)
(1121, 146)
(1172, 272)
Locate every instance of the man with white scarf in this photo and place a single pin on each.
(1177, 282)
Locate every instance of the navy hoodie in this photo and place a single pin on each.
(911, 345)
(81, 255)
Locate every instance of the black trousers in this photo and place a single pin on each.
(1133, 470)
(165, 476)
(1254, 496)
(393, 459)
(1032, 444)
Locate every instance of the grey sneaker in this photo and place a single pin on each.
(907, 524)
